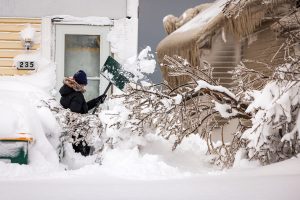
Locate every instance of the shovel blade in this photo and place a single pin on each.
(114, 72)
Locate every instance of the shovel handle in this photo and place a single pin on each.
(105, 91)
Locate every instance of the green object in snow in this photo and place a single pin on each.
(14, 151)
(114, 72)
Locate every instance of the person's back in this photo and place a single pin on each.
(72, 98)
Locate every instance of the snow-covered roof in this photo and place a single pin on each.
(221, 13)
(187, 40)
(204, 17)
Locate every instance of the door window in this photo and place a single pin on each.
(82, 47)
(82, 52)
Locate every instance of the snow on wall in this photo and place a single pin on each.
(132, 8)
(123, 38)
(45, 79)
(28, 33)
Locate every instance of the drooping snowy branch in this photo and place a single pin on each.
(191, 108)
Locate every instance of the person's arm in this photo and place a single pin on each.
(92, 103)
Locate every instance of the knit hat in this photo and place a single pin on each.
(80, 77)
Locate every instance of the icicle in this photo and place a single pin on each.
(224, 35)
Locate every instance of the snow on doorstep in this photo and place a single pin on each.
(84, 20)
(204, 17)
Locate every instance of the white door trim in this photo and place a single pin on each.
(61, 30)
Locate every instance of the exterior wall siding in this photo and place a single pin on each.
(11, 44)
(261, 46)
(114, 9)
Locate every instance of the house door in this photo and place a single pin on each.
(82, 47)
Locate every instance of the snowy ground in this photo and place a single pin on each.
(149, 170)
(153, 172)
(278, 181)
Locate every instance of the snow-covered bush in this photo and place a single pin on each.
(200, 106)
(193, 108)
(85, 129)
(274, 134)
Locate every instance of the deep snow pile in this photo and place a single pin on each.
(20, 98)
(132, 165)
(23, 109)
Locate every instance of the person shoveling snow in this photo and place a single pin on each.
(72, 95)
(72, 98)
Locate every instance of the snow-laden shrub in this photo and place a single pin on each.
(201, 105)
(274, 134)
(86, 129)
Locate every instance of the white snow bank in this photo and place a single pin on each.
(23, 103)
(189, 157)
(274, 182)
(10, 122)
(21, 111)
(44, 77)
(130, 164)
(75, 160)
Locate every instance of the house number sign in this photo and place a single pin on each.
(29, 65)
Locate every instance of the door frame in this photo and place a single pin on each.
(59, 56)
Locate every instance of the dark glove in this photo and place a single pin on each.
(101, 98)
